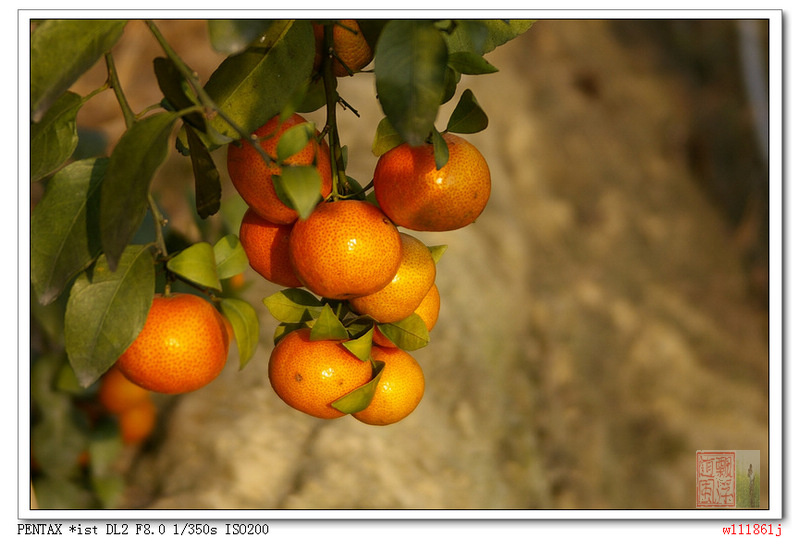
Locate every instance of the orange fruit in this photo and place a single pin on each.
(182, 347)
(267, 247)
(309, 375)
(428, 310)
(345, 249)
(137, 423)
(351, 52)
(252, 177)
(399, 390)
(400, 297)
(417, 196)
(117, 393)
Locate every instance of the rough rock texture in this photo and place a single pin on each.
(597, 326)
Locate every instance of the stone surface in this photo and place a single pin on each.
(596, 329)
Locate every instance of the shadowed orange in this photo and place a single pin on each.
(428, 310)
(267, 247)
(252, 176)
(351, 52)
(400, 297)
(399, 391)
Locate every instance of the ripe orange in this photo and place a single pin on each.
(415, 195)
(400, 297)
(428, 310)
(351, 52)
(182, 347)
(137, 423)
(117, 393)
(345, 249)
(252, 177)
(267, 247)
(399, 390)
(309, 375)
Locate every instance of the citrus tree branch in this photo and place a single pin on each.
(331, 100)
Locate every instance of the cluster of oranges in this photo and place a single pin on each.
(350, 251)
(131, 404)
(347, 249)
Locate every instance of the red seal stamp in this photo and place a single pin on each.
(716, 479)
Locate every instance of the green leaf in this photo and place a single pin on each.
(230, 257)
(409, 334)
(451, 80)
(174, 87)
(386, 138)
(360, 398)
(244, 320)
(64, 227)
(106, 311)
(328, 326)
(298, 187)
(294, 140)
(361, 347)
(62, 50)
(105, 446)
(468, 37)
(293, 305)
(207, 187)
(123, 196)
(233, 36)
(468, 116)
(256, 84)
(55, 137)
(197, 264)
(470, 63)
(410, 71)
(440, 152)
(437, 251)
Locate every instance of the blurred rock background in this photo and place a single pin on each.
(605, 318)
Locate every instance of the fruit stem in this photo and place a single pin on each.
(331, 99)
(159, 221)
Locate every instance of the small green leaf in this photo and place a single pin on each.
(468, 116)
(452, 78)
(293, 305)
(244, 320)
(410, 72)
(207, 187)
(409, 334)
(328, 326)
(62, 50)
(298, 187)
(233, 36)
(294, 140)
(106, 311)
(386, 138)
(470, 63)
(437, 251)
(360, 398)
(55, 137)
(256, 84)
(361, 347)
(230, 257)
(64, 227)
(124, 194)
(197, 264)
(440, 152)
